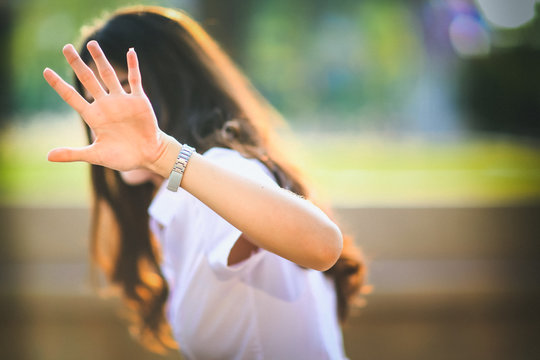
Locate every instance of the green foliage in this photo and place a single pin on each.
(42, 28)
(307, 57)
(312, 58)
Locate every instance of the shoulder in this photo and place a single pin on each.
(220, 154)
(236, 162)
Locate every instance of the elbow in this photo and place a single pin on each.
(331, 247)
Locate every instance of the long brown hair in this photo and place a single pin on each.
(201, 99)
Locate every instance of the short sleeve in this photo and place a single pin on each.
(221, 235)
(232, 160)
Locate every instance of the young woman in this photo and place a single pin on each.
(220, 243)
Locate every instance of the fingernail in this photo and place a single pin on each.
(131, 49)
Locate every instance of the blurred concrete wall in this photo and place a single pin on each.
(449, 283)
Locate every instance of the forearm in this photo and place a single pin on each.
(272, 218)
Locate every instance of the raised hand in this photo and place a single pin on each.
(126, 134)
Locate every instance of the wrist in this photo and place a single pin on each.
(169, 150)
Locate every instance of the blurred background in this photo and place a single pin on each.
(418, 121)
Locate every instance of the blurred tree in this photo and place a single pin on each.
(375, 63)
(313, 59)
(227, 22)
(6, 90)
(334, 61)
(501, 92)
(40, 29)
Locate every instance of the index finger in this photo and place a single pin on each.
(83, 72)
(66, 91)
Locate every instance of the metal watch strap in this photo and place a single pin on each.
(179, 167)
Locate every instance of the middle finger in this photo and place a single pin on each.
(106, 71)
(83, 72)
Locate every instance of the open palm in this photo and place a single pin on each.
(126, 134)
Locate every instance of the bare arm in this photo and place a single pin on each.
(127, 137)
(272, 218)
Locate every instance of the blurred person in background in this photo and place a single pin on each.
(218, 251)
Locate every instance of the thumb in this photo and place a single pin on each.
(67, 154)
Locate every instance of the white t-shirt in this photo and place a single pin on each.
(264, 307)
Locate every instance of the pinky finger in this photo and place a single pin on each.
(66, 91)
(134, 74)
(72, 154)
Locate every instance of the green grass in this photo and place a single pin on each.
(355, 170)
(28, 178)
(344, 169)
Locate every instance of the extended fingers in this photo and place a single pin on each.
(134, 75)
(66, 91)
(83, 72)
(106, 71)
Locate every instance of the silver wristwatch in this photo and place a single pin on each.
(179, 167)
